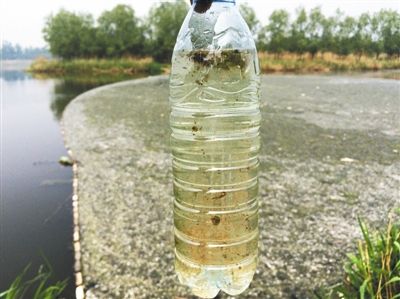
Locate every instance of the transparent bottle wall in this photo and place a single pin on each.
(215, 120)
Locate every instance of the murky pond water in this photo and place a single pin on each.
(36, 191)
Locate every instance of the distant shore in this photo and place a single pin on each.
(269, 63)
(110, 66)
(15, 64)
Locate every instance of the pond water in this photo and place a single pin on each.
(35, 206)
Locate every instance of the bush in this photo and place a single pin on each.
(374, 271)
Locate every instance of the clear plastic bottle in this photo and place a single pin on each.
(215, 120)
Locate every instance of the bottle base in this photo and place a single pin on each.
(206, 281)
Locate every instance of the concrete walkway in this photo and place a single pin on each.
(330, 152)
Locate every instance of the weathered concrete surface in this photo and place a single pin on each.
(330, 152)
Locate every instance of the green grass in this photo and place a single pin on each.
(39, 286)
(373, 272)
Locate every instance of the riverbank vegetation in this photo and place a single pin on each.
(269, 63)
(38, 287)
(111, 66)
(323, 62)
(307, 41)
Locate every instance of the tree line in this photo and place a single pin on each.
(369, 34)
(119, 32)
(11, 51)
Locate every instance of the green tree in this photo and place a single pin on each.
(345, 36)
(276, 32)
(316, 28)
(297, 40)
(390, 31)
(327, 42)
(250, 17)
(119, 32)
(376, 46)
(163, 24)
(70, 35)
(362, 36)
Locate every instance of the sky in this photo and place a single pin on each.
(21, 21)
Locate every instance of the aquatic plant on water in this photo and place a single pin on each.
(39, 286)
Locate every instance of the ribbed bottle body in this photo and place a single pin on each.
(215, 120)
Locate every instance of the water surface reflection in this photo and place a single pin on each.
(36, 191)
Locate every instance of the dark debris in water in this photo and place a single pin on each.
(224, 59)
(65, 161)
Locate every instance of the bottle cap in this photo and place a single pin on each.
(201, 6)
(230, 1)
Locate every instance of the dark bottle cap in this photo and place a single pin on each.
(201, 6)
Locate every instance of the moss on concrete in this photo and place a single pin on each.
(330, 152)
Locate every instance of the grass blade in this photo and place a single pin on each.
(362, 289)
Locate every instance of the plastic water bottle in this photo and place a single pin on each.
(215, 120)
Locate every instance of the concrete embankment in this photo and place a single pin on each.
(330, 153)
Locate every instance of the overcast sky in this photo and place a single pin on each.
(21, 21)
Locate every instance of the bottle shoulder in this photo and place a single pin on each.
(219, 28)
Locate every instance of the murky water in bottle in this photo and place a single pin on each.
(215, 121)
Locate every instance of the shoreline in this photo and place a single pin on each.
(285, 63)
